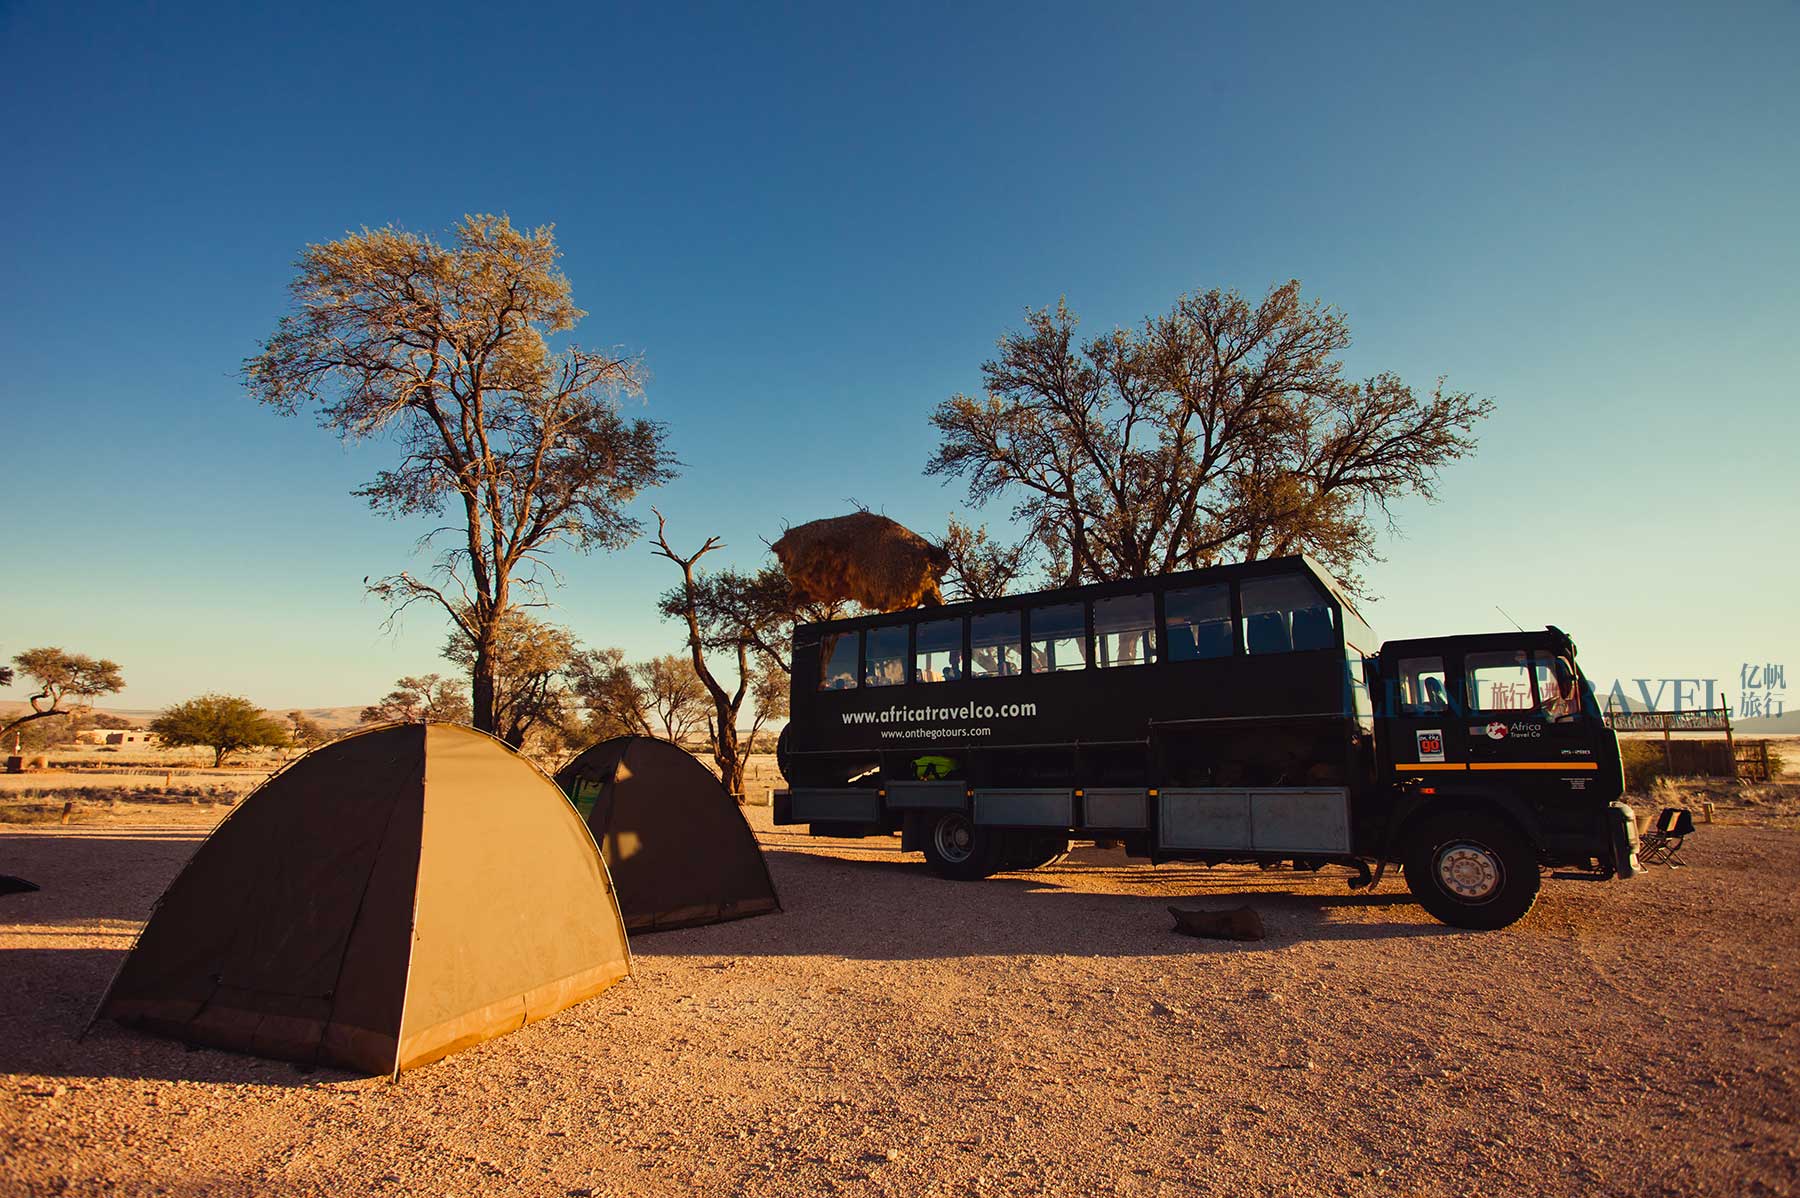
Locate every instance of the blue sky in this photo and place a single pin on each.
(814, 222)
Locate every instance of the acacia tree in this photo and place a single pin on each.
(444, 349)
(769, 690)
(673, 693)
(416, 699)
(981, 567)
(758, 608)
(612, 701)
(532, 662)
(1224, 429)
(223, 723)
(684, 603)
(748, 619)
(61, 676)
(306, 732)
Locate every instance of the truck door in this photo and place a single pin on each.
(1425, 732)
(1525, 712)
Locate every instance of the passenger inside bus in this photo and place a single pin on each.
(994, 639)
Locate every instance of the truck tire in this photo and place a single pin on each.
(1035, 850)
(956, 849)
(1472, 869)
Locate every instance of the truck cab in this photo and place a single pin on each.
(1501, 762)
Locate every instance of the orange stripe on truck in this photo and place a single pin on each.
(1564, 766)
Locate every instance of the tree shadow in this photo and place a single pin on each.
(90, 874)
(882, 906)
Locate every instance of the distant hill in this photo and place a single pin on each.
(12, 709)
(1786, 723)
(333, 719)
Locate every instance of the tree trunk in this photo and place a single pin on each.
(731, 764)
(218, 756)
(481, 686)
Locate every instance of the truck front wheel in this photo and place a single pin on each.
(956, 849)
(1471, 869)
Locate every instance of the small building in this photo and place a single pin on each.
(115, 736)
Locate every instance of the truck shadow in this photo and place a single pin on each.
(878, 905)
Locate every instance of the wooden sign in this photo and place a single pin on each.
(1714, 719)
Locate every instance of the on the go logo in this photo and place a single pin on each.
(968, 711)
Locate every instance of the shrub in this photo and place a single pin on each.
(1643, 764)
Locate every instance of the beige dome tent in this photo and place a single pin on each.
(678, 848)
(387, 900)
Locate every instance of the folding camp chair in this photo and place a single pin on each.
(1661, 845)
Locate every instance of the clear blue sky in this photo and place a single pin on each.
(815, 221)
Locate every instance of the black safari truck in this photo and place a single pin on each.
(1238, 713)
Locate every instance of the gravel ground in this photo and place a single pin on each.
(1039, 1033)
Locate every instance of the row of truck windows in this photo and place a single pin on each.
(1281, 614)
(1507, 680)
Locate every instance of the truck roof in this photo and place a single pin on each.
(1293, 563)
(1549, 636)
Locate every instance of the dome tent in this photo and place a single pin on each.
(677, 846)
(386, 900)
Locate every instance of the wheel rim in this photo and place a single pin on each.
(1470, 872)
(954, 838)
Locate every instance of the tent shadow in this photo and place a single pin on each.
(48, 995)
(881, 906)
(89, 874)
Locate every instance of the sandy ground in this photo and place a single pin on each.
(1041, 1033)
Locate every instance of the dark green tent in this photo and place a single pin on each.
(676, 844)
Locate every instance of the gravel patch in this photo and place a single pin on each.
(1040, 1033)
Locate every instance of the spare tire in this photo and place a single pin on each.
(783, 758)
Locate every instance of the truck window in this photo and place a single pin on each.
(994, 644)
(837, 661)
(1422, 688)
(1286, 613)
(884, 662)
(1558, 686)
(1359, 673)
(937, 656)
(1199, 622)
(1058, 638)
(1125, 631)
(1499, 681)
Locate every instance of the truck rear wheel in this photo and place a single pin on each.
(1472, 870)
(956, 849)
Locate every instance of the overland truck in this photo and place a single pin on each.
(1239, 713)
